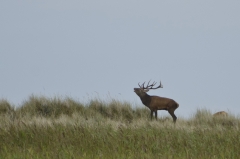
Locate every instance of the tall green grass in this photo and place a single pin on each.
(64, 128)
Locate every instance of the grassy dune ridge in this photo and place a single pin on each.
(64, 128)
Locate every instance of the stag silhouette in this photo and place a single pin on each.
(155, 103)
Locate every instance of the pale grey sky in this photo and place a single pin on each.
(85, 49)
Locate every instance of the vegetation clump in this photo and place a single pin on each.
(64, 128)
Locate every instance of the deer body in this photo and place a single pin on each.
(155, 103)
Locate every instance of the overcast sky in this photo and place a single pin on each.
(85, 49)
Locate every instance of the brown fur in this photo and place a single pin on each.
(155, 103)
(221, 114)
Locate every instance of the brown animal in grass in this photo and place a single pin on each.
(221, 114)
(155, 103)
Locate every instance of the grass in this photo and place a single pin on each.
(64, 128)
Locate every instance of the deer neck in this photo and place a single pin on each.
(146, 99)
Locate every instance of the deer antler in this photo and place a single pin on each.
(142, 86)
(151, 85)
(154, 83)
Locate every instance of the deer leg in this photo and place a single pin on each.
(156, 114)
(151, 114)
(171, 112)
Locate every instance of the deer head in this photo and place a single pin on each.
(142, 89)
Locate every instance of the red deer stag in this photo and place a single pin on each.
(155, 103)
(221, 114)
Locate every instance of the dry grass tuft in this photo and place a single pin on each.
(64, 128)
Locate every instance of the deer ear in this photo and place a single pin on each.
(145, 90)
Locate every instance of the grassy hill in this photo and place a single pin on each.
(64, 128)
